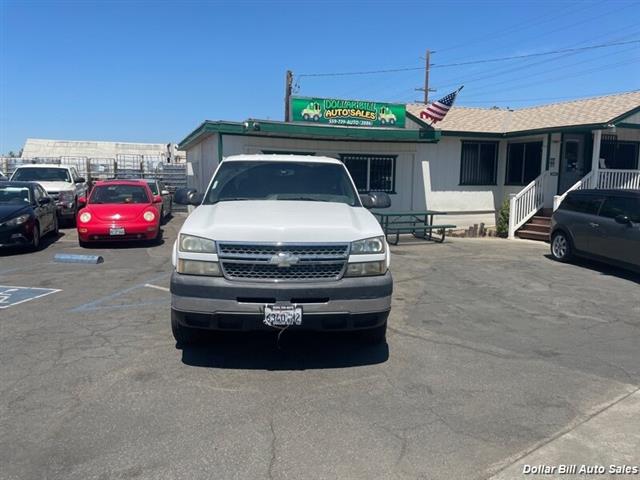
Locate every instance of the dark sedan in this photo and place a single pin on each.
(27, 214)
(600, 224)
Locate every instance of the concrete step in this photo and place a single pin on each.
(533, 235)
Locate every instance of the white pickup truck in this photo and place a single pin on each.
(281, 241)
(62, 183)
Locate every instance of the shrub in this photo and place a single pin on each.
(502, 225)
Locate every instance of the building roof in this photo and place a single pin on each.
(593, 112)
(271, 128)
(263, 157)
(49, 148)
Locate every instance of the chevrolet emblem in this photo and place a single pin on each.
(284, 259)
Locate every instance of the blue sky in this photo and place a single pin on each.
(152, 71)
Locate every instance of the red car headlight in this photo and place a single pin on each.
(85, 217)
(149, 216)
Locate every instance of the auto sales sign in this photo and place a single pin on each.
(352, 113)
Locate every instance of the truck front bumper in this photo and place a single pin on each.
(218, 304)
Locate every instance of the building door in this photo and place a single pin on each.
(572, 163)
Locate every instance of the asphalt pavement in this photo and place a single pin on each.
(497, 357)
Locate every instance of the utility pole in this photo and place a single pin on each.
(287, 95)
(427, 68)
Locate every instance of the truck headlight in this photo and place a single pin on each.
(198, 267)
(368, 246)
(366, 269)
(66, 197)
(191, 243)
(14, 222)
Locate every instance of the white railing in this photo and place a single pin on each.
(524, 204)
(619, 179)
(588, 181)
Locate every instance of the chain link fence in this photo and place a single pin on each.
(173, 175)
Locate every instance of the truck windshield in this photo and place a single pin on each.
(306, 181)
(15, 196)
(28, 174)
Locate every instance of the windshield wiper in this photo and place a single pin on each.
(306, 199)
(232, 199)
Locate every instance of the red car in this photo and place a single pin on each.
(119, 210)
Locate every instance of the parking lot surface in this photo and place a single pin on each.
(495, 353)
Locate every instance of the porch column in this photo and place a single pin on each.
(595, 158)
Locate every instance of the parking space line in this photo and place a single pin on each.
(157, 287)
(95, 304)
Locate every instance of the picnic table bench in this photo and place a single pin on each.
(419, 223)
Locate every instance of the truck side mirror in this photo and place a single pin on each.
(81, 180)
(375, 200)
(187, 196)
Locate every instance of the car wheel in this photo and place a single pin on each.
(35, 241)
(162, 216)
(374, 336)
(183, 335)
(561, 247)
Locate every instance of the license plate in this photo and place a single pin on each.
(282, 315)
(116, 231)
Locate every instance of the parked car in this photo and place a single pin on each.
(27, 214)
(158, 188)
(62, 183)
(119, 210)
(600, 224)
(281, 242)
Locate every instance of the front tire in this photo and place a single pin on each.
(561, 247)
(183, 335)
(35, 241)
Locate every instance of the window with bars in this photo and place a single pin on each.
(479, 162)
(617, 154)
(523, 162)
(371, 173)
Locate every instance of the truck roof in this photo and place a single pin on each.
(43, 165)
(280, 158)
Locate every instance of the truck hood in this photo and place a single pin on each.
(282, 221)
(57, 186)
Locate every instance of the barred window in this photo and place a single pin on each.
(371, 172)
(523, 162)
(478, 164)
(618, 154)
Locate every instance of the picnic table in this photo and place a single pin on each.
(419, 223)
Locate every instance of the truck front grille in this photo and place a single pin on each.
(284, 262)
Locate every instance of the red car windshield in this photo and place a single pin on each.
(119, 194)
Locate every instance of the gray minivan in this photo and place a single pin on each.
(599, 224)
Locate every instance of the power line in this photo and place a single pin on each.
(515, 57)
(502, 72)
(539, 54)
(576, 74)
(540, 20)
(587, 95)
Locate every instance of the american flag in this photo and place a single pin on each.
(437, 110)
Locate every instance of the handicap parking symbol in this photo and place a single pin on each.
(10, 296)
